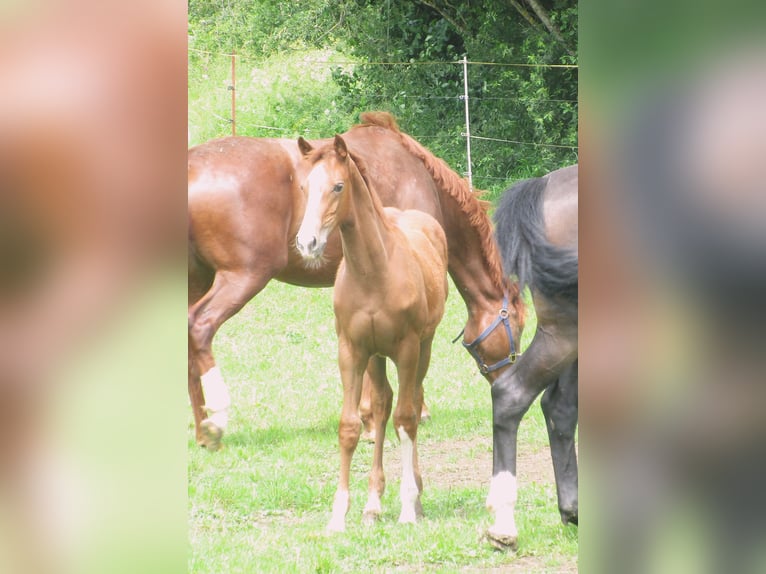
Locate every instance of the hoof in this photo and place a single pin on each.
(502, 542)
(568, 516)
(419, 509)
(333, 527)
(211, 435)
(370, 518)
(411, 515)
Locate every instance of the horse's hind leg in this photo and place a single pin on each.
(200, 281)
(366, 409)
(380, 404)
(559, 404)
(374, 378)
(228, 294)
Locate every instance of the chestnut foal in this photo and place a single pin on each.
(388, 298)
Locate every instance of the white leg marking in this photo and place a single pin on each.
(217, 399)
(373, 505)
(502, 500)
(409, 489)
(339, 509)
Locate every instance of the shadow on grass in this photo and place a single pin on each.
(444, 424)
(277, 437)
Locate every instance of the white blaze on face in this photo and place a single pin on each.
(217, 399)
(311, 230)
(502, 500)
(409, 488)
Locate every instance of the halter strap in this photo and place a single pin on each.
(502, 317)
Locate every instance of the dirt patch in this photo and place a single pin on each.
(524, 565)
(466, 463)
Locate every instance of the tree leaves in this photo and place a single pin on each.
(533, 105)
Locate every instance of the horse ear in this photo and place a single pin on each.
(304, 146)
(340, 147)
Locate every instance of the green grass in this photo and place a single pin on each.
(262, 503)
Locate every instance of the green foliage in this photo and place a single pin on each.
(259, 28)
(310, 67)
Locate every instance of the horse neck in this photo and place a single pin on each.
(364, 229)
(469, 264)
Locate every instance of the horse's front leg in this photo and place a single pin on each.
(513, 392)
(352, 364)
(510, 401)
(406, 418)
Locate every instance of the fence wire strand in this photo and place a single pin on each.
(395, 63)
(308, 132)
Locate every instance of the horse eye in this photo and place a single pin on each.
(338, 187)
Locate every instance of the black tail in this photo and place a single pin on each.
(524, 248)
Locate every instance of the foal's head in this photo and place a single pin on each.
(325, 176)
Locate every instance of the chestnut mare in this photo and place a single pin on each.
(537, 235)
(388, 299)
(245, 206)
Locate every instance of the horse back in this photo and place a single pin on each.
(241, 193)
(400, 178)
(560, 204)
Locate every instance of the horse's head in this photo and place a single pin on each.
(324, 174)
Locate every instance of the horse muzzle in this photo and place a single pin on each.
(311, 247)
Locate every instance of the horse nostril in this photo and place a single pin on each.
(307, 247)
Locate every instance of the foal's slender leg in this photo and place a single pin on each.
(512, 394)
(559, 404)
(420, 406)
(406, 418)
(366, 411)
(352, 364)
(374, 378)
(381, 402)
(228, 294)
(365, 408)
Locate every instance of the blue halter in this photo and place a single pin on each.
(502, 317)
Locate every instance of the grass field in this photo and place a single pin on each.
(262, 503)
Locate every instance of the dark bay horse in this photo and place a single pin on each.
(245, 205)
(536, 230)
(388, 299)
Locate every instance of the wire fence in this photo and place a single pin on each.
(232, 85)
